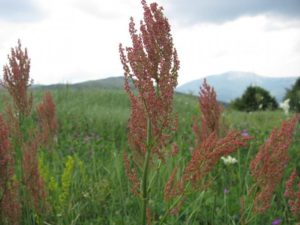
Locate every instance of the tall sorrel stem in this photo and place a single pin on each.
(150, 72)
(145, 174)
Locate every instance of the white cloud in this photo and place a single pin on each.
(243, 45)
(82, 37)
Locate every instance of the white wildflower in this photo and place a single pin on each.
(285, 105)
(229, 160)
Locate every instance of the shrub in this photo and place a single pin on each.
(255, 98)
(294, 95)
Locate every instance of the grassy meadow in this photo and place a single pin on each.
(84, 173)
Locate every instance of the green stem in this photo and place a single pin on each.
(156, 175)
(240, 172)
(226, 209)
(145, 174)
(249, 216)
(174, 204)
(170, 208)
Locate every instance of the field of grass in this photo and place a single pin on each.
(86, 182)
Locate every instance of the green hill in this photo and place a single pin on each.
(106, 83)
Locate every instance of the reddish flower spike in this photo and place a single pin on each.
(31, 176)
(16, 80)
(152, 64)
(10, 208)
(293, 194)
(211, 113)
(269, 163)
(47, 119)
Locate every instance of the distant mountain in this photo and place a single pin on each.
(231, 85)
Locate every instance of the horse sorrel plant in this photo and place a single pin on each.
(47, 119)
(211, 114)
(293, 195)
(152, 65)
(209, 149)
(16, 80)
(10, 208)
(268, 166)
(25, 138)
(31, 175)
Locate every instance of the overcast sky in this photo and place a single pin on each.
(76, 40)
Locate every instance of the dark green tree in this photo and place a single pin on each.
(294, 95)
(255, 98)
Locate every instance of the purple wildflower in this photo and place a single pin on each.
(226, 190)
(276, 221)
(245, 133)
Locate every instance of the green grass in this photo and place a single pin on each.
(84, 171)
